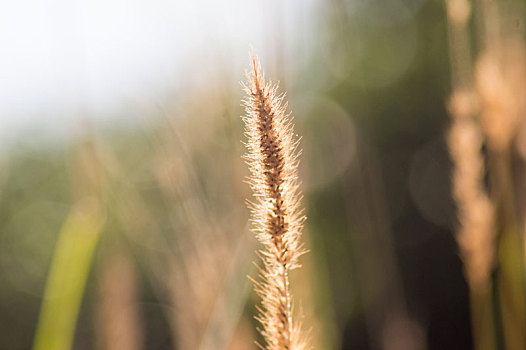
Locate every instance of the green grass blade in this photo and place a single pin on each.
(67, 277)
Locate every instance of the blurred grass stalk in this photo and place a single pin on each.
(500, 86)
(475, 210)
(73, 256)
(118, 322)
(68, 275)
(485, 107)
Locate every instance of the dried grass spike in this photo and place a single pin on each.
(277, 219)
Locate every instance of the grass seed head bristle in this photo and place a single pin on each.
(277, 219)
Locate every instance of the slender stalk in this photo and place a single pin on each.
(118, 317)
(476, 230)
(278, 221)
(68, 276)
(499, 77)
(74, 253)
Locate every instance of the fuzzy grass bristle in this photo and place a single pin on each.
(277, 218)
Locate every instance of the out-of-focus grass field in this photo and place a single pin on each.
(135, 235)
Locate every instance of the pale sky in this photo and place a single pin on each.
(59, 56)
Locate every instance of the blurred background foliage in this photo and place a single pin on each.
(367, 85)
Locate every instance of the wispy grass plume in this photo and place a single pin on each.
(278, 220)
(475, 209)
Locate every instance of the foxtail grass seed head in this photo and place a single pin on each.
(277, 218)
(475, 211)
